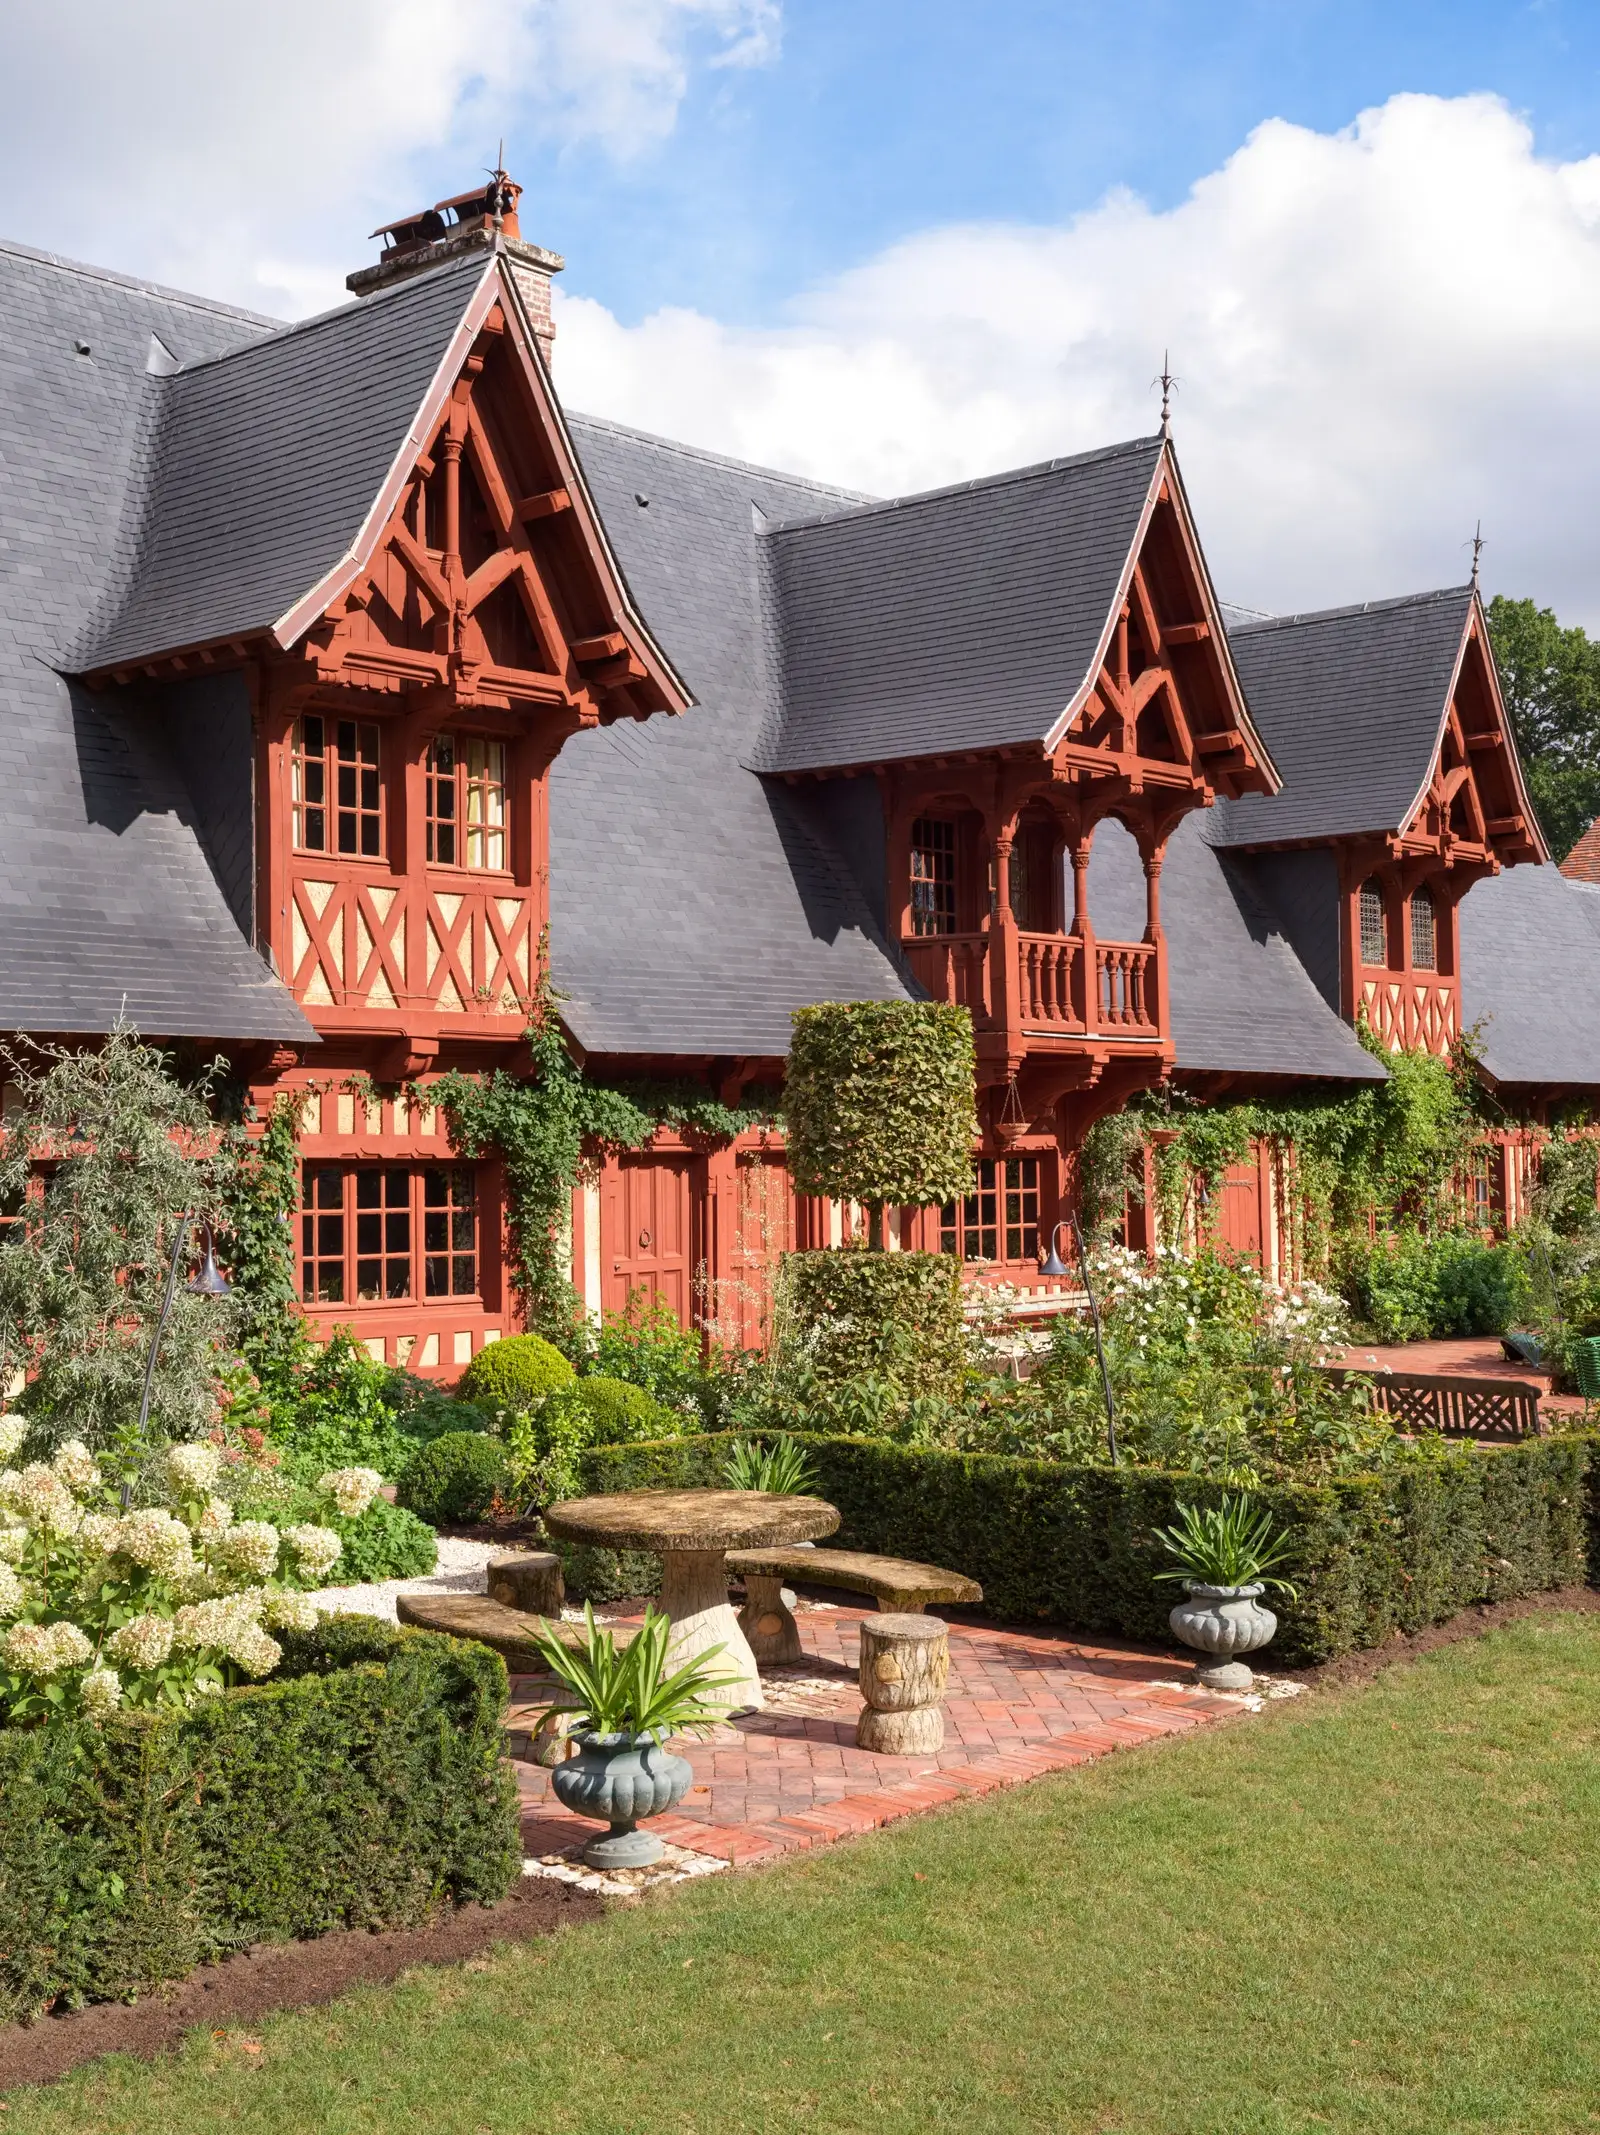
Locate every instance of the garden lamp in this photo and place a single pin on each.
(1053, 1264)
(210, 1281)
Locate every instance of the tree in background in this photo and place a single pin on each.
(104, 1153)
(1550, 678)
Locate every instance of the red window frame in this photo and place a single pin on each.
(336, 787)
(468, 807)
(1003, 1209)
(933, 876)
(373, 1234)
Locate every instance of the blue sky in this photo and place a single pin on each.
(879, 118)
(895, 244)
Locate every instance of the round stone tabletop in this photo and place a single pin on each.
(671, 1520)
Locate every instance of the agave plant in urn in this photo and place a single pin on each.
(1223, 1556)
(621, 1709)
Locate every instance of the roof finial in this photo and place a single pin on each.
(1168, 385)
(1477, 551)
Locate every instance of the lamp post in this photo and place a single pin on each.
(1053, 1264)
(209, 1282)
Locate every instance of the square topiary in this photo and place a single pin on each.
(892, 1316)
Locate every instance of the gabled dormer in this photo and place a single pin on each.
(1015, 661)
(1401, 773)
(379, 518)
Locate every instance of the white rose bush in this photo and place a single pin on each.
(102, 1608)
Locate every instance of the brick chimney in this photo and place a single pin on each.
(485, 218)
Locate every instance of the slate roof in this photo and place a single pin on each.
(106, 897)
(964, 618)
(265, 462)
(1530, 975)
(1350, 702)
(692, 907)
(1242, 1002)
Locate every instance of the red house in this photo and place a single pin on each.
(341, 668)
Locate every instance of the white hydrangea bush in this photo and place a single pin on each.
(103, 1608)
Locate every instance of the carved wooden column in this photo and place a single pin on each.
(1152, 855)
(1088, 1003)
(1005, 1004)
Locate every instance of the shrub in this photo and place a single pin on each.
(1411, 1287)
(455, 1480)
(358, 1789)
(592, 1574)
(386, 1542)
(645, 1345)
(879, 1102)
(618, 1411)
(1369, 1556)
(893, 1317)
(513, 1374)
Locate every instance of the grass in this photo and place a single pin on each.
(1375, 1911)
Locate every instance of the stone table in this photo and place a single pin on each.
(692, 1531)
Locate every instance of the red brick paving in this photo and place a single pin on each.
(790, 1777)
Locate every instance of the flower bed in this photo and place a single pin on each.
(1371, 1555)
(360, 1787)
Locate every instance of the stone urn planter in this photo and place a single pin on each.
(1227, 1621)
(622, 1778)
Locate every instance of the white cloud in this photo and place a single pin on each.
(1381, 334)
(234, 149)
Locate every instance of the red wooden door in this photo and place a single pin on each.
(645, 1234)
(765, 1220)
(1239, 1211)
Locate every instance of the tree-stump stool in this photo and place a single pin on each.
(531, 1581)
(767, 1621)
(905, 1664)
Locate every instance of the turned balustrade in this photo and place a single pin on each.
(1048, 994)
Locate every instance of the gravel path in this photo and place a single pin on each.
(460, 1570)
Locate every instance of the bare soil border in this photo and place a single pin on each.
(276, 1976)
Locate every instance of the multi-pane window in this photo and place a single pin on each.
(933, 877)
(466, 794)
(1424, 933)
(1374, 949)
(337, 799)
(374, 1233)
(1003, 1212)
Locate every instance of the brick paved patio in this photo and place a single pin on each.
(791, 1777)
(1478, 1356)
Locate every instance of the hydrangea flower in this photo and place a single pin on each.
(77, 1467)
(101, 1692)
(97, 1533)
(193, 1469)
(317, 1549)
(13, 1594)
(144, 1642)
(155, 1540)
(13, 1430)
(352, 1489)
(45, 1649)
(13, 1541)
(249, 1550)
(230, 1625)
(41, 1498)
(284, 1610)
(215, 1519)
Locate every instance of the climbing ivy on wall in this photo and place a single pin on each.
(1386, 1149)
(539, 1128)
(257, 1240)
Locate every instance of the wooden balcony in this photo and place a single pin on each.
(1047, 996)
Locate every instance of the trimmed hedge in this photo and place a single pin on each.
(456, 1479)
(893, 1316)
(1075, 1545)
(879, 1101)
(360, 1787)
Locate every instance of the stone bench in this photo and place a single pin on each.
(898, 1585)
(508, 1632)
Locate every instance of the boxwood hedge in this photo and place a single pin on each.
(359, 1787)
(1075, 1546)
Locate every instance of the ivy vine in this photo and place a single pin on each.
(542, 1127)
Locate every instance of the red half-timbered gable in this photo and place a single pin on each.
(1400, 894)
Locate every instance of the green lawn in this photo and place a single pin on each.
(1379, 1911)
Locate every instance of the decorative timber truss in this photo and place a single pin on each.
(1400, 893)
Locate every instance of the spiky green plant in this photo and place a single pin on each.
(1231, 1544)
(631, 1693)
(780, 1466)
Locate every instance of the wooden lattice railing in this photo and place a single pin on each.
(1458, 1406)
